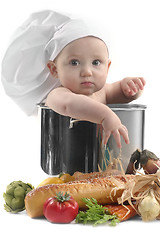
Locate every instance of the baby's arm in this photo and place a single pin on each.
(81, 107)
(77, 106)
(126, 90)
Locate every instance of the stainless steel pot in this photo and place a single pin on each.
(133, 117)
(68, 145)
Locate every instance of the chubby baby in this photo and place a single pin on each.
(82, 67)
(65, 61)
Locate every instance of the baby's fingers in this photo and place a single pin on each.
(106, 137)
(133, 86)
(116, 134)
(143, 81)
(117, 138)
(124, 133)
(139, 82)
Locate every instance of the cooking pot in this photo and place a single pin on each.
(133, 117)
(69, 145)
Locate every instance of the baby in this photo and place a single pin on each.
(75, 85)
(82, 67)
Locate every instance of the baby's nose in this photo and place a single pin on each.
(86, 71)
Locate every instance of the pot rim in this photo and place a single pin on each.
(117, 107)
(127, 107)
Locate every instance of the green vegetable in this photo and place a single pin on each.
(95, 214)
(15, 195)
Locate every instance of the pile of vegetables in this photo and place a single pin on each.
(141, 192)
(64, 209)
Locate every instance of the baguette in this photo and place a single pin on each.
(82, 176)
(98, 188)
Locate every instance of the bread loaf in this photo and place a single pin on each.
(83, 176)
(98, 188)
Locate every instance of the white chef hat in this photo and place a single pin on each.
(25, 76)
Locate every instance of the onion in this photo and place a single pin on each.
(149, 162)
(151, 166)
(143, 159)
(149, 207)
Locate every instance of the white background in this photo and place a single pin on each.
(134, 42)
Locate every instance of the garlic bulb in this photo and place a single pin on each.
(149, 207)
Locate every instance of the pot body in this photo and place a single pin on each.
(133, 117)
(68, 145)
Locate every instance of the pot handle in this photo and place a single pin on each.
(72, 121)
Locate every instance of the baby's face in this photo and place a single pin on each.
(82, 66)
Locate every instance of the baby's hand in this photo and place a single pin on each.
(132, 85)
(112, 125)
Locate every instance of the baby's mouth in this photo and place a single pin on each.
(87, 84)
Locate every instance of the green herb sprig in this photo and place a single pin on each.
(95, 214)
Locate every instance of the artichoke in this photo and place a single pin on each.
(15, 195)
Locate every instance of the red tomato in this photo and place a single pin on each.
(60, 209)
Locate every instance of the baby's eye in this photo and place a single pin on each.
(96, 62)
(74, 62)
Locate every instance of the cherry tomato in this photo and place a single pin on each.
(60, 209)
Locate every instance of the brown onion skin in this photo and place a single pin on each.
(151, 166)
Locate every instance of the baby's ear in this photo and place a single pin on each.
(52, 68)
(109, 63)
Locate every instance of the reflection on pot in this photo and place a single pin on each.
(69, 145)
